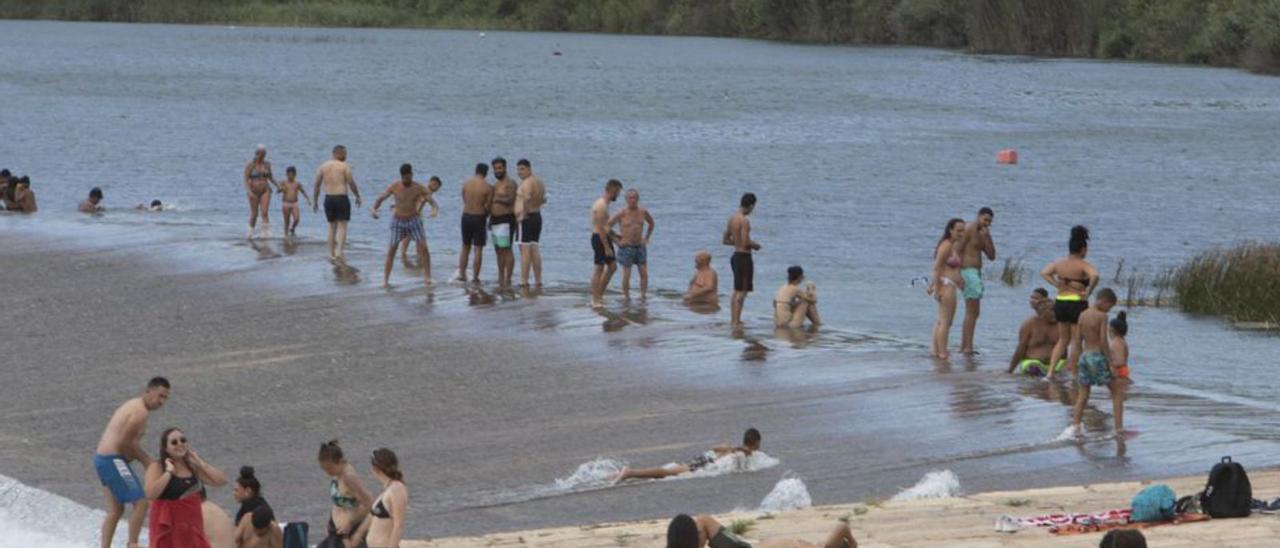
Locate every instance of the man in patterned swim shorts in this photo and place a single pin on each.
(406, 221)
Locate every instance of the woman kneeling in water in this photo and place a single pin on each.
(792, 304)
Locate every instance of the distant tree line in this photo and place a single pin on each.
(1244, 33)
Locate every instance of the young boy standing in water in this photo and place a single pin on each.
(291, 188)
(1095, 367)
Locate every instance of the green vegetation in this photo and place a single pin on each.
(1242, 33)
(1241, 283)
(740, 527)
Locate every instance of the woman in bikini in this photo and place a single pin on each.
(173, 485)
(792, 304)
(385, 529)
(946, 281)
(258, 185)
(1075, 278)
(351, 502)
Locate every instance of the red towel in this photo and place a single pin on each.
(177, 523)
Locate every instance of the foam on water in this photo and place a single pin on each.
(934, 485)
(595, 473)
(32, 517)
(788, 494)
(733, 462)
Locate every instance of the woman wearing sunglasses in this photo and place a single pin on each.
(173, 486)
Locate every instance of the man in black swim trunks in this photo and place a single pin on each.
(738, 234)
(602, 242)
(530, 197)
(336, 177)
(477, 200)
(750, 444)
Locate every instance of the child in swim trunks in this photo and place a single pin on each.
(1095, 367)
(291, 188)
(1119, 367)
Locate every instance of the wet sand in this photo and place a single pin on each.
(956, 522)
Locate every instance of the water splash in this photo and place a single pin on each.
(733, 462)
(595, 473)
(934, 485)
(1069, 434)
(788, 494)
(33, 517)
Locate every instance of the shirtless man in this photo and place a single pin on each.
(477, 198)
(705, 285)
(750, 444)
(530, 198)
(336, 177)
(93, 204)
(602, 242)
(260, 530)
(503, 214)
(975, 243)
(1036, 339)
(633, 245)
(433, 186)
(737, 233)
(24, 199)
(406, 221)
(120, 444)
(291, 188)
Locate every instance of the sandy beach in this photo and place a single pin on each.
(966, 521)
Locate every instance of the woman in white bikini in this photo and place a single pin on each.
(258, 185)
(945, 282)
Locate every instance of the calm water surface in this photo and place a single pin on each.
(858, 156)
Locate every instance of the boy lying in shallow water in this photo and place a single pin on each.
(750, 444)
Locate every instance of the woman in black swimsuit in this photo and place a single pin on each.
(1075, 278)
(173, 485)
(386, 529)
(247, 492)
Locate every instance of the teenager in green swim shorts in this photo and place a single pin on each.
(975, 244)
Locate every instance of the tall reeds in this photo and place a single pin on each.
(1241, 283)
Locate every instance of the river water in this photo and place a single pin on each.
(858, 156)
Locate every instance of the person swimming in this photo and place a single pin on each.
(750, 444)
(154, 206)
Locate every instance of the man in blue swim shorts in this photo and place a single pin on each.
(633, 245)
(975, 244)
(119, 445)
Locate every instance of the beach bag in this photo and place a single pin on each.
(1154, 503)
(1228, 493)
(295, 534)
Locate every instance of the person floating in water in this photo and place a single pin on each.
(290, 188)
(94, 203)
(705, 286)
(1095, 368)
(633, 242)
(737, 233)
(154, 206)
(750, 444)
(975, 243)
(1036, 339)
(685, 531)
(792, 305)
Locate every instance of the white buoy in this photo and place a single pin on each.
(482, 35)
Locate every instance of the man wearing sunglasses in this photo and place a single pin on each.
(120, 444)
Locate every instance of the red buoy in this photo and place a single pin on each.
(1007, 156)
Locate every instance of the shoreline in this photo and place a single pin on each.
(966, 520)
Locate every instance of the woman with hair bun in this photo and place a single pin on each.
(1075, 279)
(386, 529)
(247, 492)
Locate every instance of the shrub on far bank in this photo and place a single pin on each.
(1241, 283)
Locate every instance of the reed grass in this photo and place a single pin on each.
(1240, 283)
(1014, 272)
(740, 527)
(1243, 33)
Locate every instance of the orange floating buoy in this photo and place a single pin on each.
(1007, 156)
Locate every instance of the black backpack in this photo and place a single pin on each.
(1228, 493)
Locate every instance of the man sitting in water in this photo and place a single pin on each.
(705, 285)
(689, 532)
(1036, 339)
(92, 205)
(791, 305)
(24, 199)
(750, 444)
